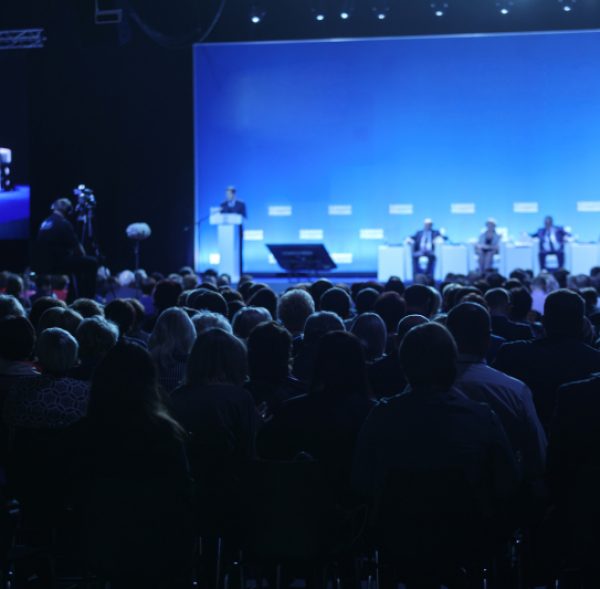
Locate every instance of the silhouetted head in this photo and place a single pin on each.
(471, 327)
(406, 324)
(17, 338)
(166, 294)
(269, 352)
(247, 318)
(420, 300)
(498, 300)
(564, 311)
(204, 299)
(265, 298)
(340, 368)
(370, 329)
(96, 336)
(125, 393)
(428, 358)
(521, 302)
(336, 300)
(122, 313)
(57, 351)
(217, 358)
(390, 306)
(294, 308)
(10, 305)
(320, 323)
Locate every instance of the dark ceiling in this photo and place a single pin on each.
(176, 23)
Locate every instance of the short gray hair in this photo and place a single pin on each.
(294, 308)
(247, 318)
(205, 320)
(57, 350)
(10, 305)
(96, 336)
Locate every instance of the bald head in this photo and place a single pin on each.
(62, 206)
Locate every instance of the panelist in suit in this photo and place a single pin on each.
(487, 246)
(552, 242)
(232, 205)
(423, 243)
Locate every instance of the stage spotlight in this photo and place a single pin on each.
(567, 5)
(319, 10)
(257, 14)
(504, 7)
(381, 9)
(346, 9)
(439, 8)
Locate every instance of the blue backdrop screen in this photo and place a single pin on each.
(352, 143)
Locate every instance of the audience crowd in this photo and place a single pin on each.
(144, 410)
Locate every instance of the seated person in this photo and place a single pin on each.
(424, 246)
(487, 246)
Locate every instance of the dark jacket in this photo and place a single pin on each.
(546, 364)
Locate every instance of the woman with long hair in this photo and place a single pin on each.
(139, 483)
(325, 422)
(170, 344)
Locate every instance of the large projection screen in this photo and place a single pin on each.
(353, 142)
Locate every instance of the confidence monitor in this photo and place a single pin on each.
(298, 258)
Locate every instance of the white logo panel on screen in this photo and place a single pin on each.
(401, 209)
(526, 207)
(312, 234)
(280, 211)
(254, 235)
(462, 208)
(339, 210)
(588, 206)
(371, 234)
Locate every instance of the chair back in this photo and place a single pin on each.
(430, 516)
(289, 511)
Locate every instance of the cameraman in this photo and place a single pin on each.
(60, 251)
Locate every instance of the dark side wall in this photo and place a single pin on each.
(117, 117)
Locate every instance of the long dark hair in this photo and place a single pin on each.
(125, 391)
(340, 368)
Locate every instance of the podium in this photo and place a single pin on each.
(391, 261)
(518, 255)
(228, 242)
(452, 259)
(580, 258)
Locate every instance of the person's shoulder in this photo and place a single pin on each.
(584, 386)
(517, 347)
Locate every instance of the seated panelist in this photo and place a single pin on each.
(423, 244)
(487, 246)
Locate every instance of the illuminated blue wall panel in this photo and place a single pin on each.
(490, 124)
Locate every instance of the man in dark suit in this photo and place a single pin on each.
(232, 205)
(558, 358)
(552, 242)
(423, 243)
(498, 300)
(431, 424)
(574, 435)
